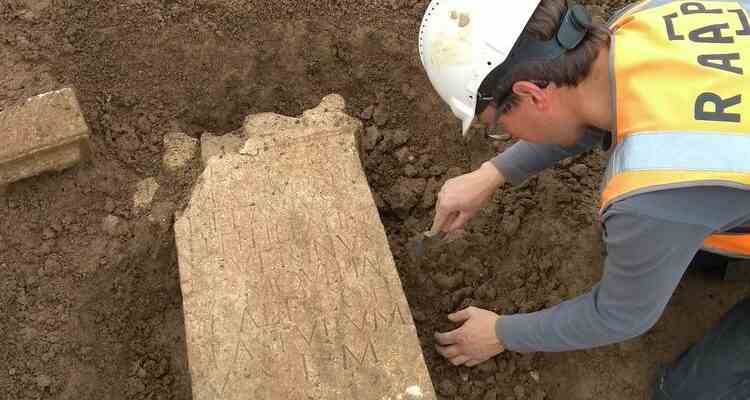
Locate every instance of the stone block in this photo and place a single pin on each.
(290, 291)
(217, 146)
(44, 133)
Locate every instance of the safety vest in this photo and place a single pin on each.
(681, 85)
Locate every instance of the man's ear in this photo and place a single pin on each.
(530, 91)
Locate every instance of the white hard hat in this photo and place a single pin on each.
(461, 41)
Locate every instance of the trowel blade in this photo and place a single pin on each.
(425, 241)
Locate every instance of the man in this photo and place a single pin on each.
(664, 89)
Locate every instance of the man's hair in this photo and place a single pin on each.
(567, 70)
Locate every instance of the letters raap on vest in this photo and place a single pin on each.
(682, 116)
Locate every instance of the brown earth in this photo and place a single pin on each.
(89, 288)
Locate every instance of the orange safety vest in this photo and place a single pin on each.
(681, 85)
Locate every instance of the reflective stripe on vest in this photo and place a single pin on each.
(681, 102)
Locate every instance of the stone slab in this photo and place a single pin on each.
(45, 133)
(218, 146)
(289, 287)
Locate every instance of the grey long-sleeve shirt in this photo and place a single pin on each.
(650, 238)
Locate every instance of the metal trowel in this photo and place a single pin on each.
(427, 240)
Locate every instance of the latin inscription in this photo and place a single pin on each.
(295, 271)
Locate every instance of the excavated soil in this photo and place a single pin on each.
(89, 287)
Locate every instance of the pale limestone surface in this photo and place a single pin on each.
(219, 146)
(45, 133)
(289, 288)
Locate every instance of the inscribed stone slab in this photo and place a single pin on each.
(289, 287)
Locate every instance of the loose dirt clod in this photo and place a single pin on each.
(144, 68)
(112, 225)
(380, 115)
(371, 138)
(447, 388)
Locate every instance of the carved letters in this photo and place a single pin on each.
(289, 287)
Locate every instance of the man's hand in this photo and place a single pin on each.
(472, 343)
(463, 196)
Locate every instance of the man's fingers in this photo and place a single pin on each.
(440, 216)
(459, 360)
(444, 216)
(459, 221)
(447, 338)
(448, 351)
(462, 315)
(443, 220)
(446, 227)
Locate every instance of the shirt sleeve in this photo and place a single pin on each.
(524, 159)
(646, 259)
